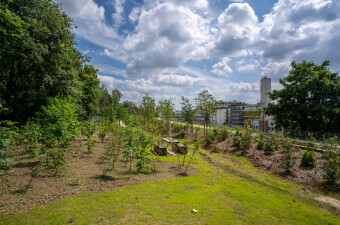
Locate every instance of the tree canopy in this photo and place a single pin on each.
(309, 100)
(39, 61)
(207, 105)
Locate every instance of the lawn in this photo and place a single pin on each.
(226, 190)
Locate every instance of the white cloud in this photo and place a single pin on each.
(166, 36)
(177, 80)
(117, 17)
(134, 14)
(110, 82)
(248, 67)
(237, 28)
(221, 68)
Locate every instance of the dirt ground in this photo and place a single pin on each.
(312, 177)
(81, 175)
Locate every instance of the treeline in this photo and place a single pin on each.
(39, 61)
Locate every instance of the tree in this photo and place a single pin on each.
(309, 100)
(148, 107)
(38, 58)
(207, 105)
(116, 96)
(188, 112)
(90, 92)
(166, 109)
(104, 98)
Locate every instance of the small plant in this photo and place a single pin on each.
(272, 143)
(55, 158)
(246, 140)
(288, 161)
(237, 141)
(260, 145)
(308, 159)
(103, 129)
(88, 129)
(223, 133)
(332, 172)
(196, 149)
(210, 136)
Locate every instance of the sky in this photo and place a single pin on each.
(174, 48)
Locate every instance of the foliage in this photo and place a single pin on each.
(188, 113)
(309, 99)
(260, 145)
(237, 141)
(6, 143)
(31, 136)
(288, 161)
(103, 129)
(210, 137)
(130, 146)
(88, 129)
(148, 108)
(143, 154)
(166, 109)
(332, 168)
(58, 122)
(223, 133)
(246, 140)
(273, 141)
(308, 159)
(39, 61)
(207, 106)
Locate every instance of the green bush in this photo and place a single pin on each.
(332, 172)
(260, 145)
(210, 137)
(223, 133)
(308, 159)
(269, 147)
(237, 141)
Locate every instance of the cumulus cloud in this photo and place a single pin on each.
(166, 36)
(237, 28)
(117, 17)
(177, 80)
(91, 25)
(109, 81)
(221, 68)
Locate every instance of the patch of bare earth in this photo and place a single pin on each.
(332, 201)
(312, 177)
(81, 175)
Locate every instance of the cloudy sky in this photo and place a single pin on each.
(174, 48)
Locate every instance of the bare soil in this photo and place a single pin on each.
(82, 174)
(312, 177)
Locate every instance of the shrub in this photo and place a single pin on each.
(210, 137)
(260, 145)
(332, 173)
(246, 140)
(288, 161)
(237, 141)
(223, 133)
(308, 159)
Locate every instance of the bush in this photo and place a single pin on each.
(269, 147)
(210, 137)
(308, 159)
(237, 141)
(246, 140)
(332, 173)
(260, 145)
(223, 133)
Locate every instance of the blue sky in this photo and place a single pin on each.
(174, 48)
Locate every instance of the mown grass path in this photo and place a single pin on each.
(227, 190)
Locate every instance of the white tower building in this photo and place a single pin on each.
(265, 88)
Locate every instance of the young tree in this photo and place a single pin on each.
(148, 107)
(309, 100)
(166, 109)
(188, 112)
(116, 96)
(207, 105)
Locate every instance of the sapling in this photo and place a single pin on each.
(196, 148)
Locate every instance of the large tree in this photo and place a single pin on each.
(309, 100)
(38, 58)
(207, 106)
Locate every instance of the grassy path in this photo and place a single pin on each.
(227, 190)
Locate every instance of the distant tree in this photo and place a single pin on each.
(166, 111)
(309, 100)
(130, 106)
(188, 112)
(104, 98)
(148, 107)
(116, 96)
(208, 106)
(90, 92)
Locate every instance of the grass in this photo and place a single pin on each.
(229, 191)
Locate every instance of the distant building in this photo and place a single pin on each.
(265, 88)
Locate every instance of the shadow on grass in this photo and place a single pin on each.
(104, 178)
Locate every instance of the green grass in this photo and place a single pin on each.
(231, 191)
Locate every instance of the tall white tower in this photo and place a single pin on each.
(265, 88)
